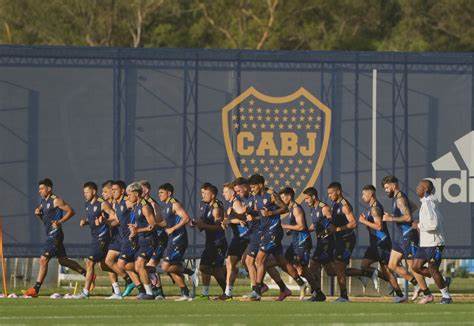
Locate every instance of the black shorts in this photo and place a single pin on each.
(430, 254)
(297, 255)
(98, 249)
(214, 255)
(128, 251)
(254, 244)
(379, 252)
(324, 251)
(174, 252)
(160, 248)
(343, 248)
(115, 243)
(54, 247)
(271, 243)
(146, 247)
(407, 245)
(237, 247)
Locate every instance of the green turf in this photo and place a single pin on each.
(99, 311)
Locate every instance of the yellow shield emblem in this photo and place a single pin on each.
(285, 139)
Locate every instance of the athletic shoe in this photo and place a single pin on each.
(144, 296)
(416, 293)
(284, 294)
(114, 297)
(303, 289)
(202, 297)
(264, 289)
(375, 279)
(254, 296)
(160, 297)
(224, 297)
(398, 299)
(320, 297)
(81, 295)
(341, 300)
(446, 301)
(31, 292)
(184, 298)
(128, 290)
(364, 280)
(426, 299)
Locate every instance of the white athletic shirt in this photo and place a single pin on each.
(431, 223)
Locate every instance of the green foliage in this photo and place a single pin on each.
(372, 25)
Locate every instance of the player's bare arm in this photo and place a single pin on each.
(150, 218)
(66, 208)
(113, 219)
(298, 214)
(402, 204)
(179, 210)
(351, 221)
(376, 213)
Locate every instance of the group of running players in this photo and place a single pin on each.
(132, 233)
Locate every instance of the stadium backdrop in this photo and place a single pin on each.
(191, 116)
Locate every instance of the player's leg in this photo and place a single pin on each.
(343, 252)
(140, 263)
(206, 272)
(72, 264)
(435, 255)
(394, 265)
(270, 267)
(219, 270)
(173, 264)
(231, 273)
(260, 266)
(42, 272)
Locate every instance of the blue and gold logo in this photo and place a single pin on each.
(285, 139)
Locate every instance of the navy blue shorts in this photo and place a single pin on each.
(237, 247)
(297, 255)
(98, 249)
(379, 252)
(430, 254)
(160, 248)
(146, 247)
(128, 251)
(324, 251)
(271, 243)
(214, 255)
(174, 252)
(407, 245)
(115, 243)
(343, 248)
(254, 244)
(54, 247)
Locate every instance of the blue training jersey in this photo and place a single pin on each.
(299, 238)
(377, 236)
(93, 212)
(404, 227)
(265, 200)
(49, 214)
(339, 218)
(180, 235)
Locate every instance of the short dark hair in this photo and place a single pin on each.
(107, 183)
(46, 182)
(206, 185)
(335, 185)
(91, 185)
(256, 179)
(119, 183)
(167, 187)
(209, 186)
(145, 184)
(241, 181)
(389, 179)
(311, 191)
(431, 189)
(287, 191)
(369, 188)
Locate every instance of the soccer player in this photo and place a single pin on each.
(408, 242)
(299, 251)
(162, 241)
(431, 241)
(323, 254)
(176, 219)
(344, 221)
(379, 245)
(95, 208)
(213, 255)
(129, 245)
(235, 217)
(114, 245)
(144, 230)
(270, 206)
(53, 211)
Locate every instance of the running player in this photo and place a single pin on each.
(129, 245)
(408, 240)
(176, 219)
(53, 211)
(95, 208)
(431, 241)
(114, 245)
(345, 223)
(235, 217)
(323, 254)
(162, 241)
(270, 207)
(213, 255)
(299, 251)
(379, 245)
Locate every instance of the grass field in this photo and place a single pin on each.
(98, 311)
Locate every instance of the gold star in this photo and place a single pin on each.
(302, 103)
(298, 183)
(259, 110)
(246, 169)
(252, 102)
(272, 126)
(271, 175)
(285, 111)
(252, 161)
(292, 177)
(290, 161)
(272, 161)
(282, 175)
(267, 118)
(298, 126)
(318, 118)
(276, 168)
(310, 161)
(243, 118)
(251, 118)
(286, 169)
(250, 110)
(244, 125)
(287, 182)
(306, 170)
(280, 125)
(293, 111)
(255, 169)
(234, 118)
(293, 118)
(262, 161)
(297, 169)
(266, 169)
(285, 119)
(236, 125)
(277, 182)
(302, 110)
(290, 126)
(254, 125)
(317, 127)
(311, 110)
(242, 160)
(310, 118)
(308, 126)
(277, 110)
(302, 118)
(259, 118)
(276, 118)
(267, 111)
(300, 161)
(263, 126)
(303, 177)
(281, 161)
